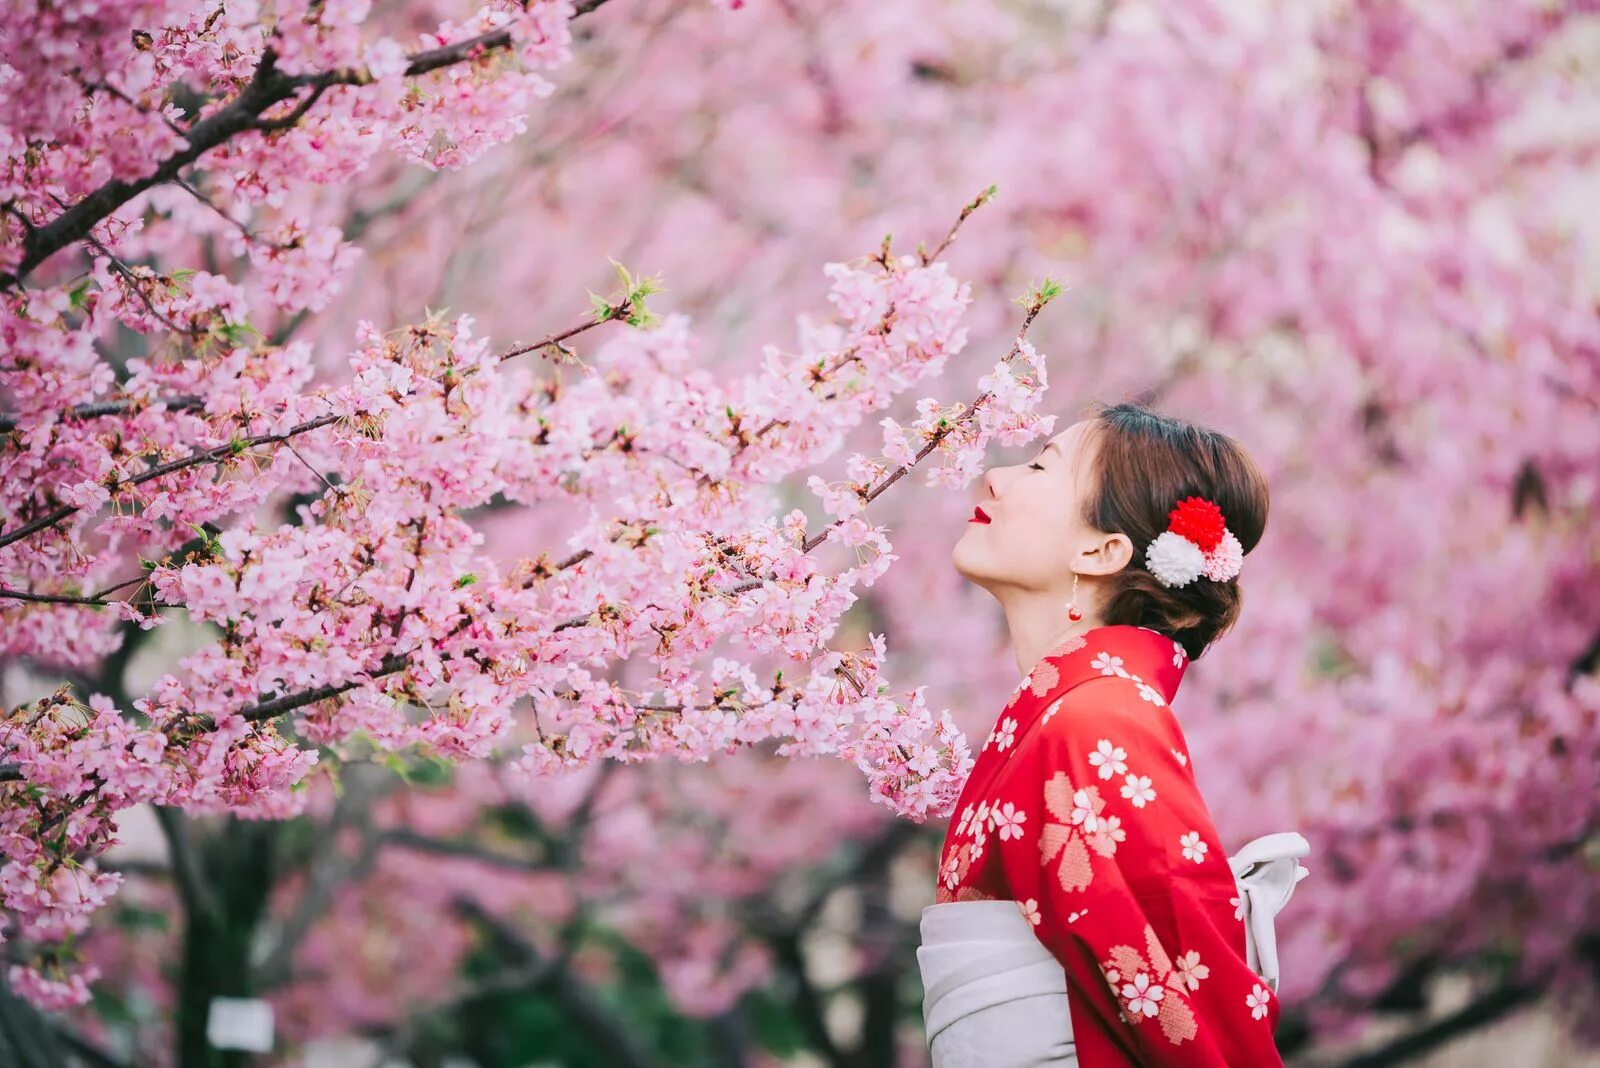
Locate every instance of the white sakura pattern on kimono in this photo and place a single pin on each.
(1083, 814)
(1179, 654)
(1055, 706)
(1182, 760)
(1142, 997)
(1189, 969)
(1137, 789)
(1008, 820)
(1109, 759)
(950, 873)
(1257, 1000)
(1107, 664)
(1149, 692)
(1007, 735)
(1193, 847)
(1030, 909)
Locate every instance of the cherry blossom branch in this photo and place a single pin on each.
(240, 445)
(266, 88)
(621, 310)
(396, 662)
(948, 428)
(206, 456)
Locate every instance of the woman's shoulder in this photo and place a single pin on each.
(1121, 710)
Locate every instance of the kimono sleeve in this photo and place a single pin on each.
(1110, 852)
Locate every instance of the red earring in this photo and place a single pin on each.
(1074, 613)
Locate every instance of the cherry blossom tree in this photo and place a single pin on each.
(373, 604)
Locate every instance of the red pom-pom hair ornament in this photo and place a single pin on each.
(1198, 520)
(1196, 542)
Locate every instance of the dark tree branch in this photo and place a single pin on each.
(783, 936)
(86, 1050)
(194, 886)
(265, 89)
(1480, 1012)
(410, 839)
(576, 1000)
(93, 409)
(327, 869)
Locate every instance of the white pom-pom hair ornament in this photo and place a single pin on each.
(1174, 559)
(1195, 543)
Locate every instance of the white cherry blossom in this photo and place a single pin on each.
(1083, 813)
(1007, 734)
(1193, 847)
(1008, 821)
(951, 868)
(1109, 759)
(1257, 1000)
(1150, 693)
(1143, 997)
(1107, 664)
(1137, 789)
(1190, 970)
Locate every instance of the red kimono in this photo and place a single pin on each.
(1082, 807)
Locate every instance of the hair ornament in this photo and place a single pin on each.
(1196, 542)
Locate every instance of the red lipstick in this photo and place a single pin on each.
(978, 516)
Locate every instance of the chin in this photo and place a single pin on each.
(967, 562)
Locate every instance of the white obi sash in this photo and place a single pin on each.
(994, 995)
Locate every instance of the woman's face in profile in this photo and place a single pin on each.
(1035, 528)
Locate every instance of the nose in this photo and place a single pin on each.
(988, 483)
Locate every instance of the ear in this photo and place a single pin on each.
(1110, 554)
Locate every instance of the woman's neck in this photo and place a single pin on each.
(1039, 623)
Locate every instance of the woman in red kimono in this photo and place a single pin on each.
(1087, 913)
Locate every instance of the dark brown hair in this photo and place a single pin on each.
(1145, 464)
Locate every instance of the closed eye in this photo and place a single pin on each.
(1036, 467)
